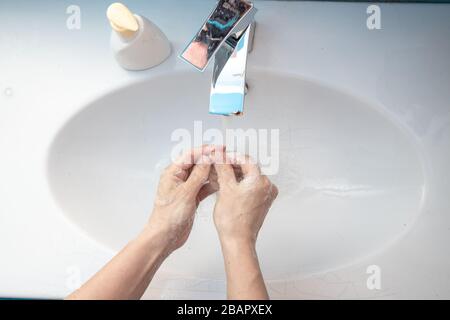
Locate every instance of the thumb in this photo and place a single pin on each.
(199, 175)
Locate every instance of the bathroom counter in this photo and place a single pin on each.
(48, 73)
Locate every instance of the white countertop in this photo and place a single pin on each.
(48, 73)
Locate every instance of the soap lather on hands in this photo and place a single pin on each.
(244, 197)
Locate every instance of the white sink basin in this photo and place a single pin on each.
(351, 180)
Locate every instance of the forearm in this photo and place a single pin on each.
(244, 277)
(129, 273)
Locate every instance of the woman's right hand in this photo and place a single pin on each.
(244, 198)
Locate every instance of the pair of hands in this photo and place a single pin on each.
(244, 196)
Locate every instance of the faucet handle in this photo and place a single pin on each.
(229, 17)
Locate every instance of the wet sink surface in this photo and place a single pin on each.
(351, 181)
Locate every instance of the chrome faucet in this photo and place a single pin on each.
(227, 36)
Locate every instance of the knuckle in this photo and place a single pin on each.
(198, 176)
(184, 191)
(275, 191)
(265, 182)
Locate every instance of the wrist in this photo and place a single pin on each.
(156, 239)
(238, 244)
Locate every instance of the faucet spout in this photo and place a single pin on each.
(226, 36)
(228, 86)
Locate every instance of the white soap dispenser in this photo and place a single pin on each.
(137, 43)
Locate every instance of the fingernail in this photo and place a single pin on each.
(217, 147)
(232, 157)
(219, 158)
(207, 149)
(206, 160)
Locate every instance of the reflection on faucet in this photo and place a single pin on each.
(227, 36)
(217, 28)
(197, 54)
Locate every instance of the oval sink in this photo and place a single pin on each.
(351, 181)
